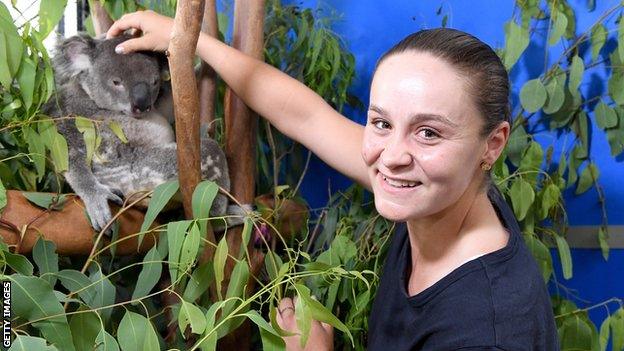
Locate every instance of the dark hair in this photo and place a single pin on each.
(481, 67)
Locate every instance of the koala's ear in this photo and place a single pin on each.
(73, 55)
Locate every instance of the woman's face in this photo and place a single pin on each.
(422, 142)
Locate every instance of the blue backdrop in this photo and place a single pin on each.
(370, 27)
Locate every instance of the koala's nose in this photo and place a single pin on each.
(140, 98)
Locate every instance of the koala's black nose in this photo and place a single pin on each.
(140, 98)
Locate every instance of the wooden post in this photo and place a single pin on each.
(181, 51)
(240, 127)
(207, 77)
(101, 20)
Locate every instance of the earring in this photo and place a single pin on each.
(485, 166)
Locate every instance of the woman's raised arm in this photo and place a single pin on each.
(286, 103)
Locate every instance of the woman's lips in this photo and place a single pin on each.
(396, 185)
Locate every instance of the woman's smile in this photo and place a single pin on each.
(394, 185)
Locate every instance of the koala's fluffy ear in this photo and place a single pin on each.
(73, 56)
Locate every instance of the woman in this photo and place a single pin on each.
(458, 275)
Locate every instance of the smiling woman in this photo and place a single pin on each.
(458, 273)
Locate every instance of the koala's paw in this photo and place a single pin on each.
(97, 207)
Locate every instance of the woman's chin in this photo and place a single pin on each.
(394, 212)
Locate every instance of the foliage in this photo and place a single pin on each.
(532, 176)
(108, 302)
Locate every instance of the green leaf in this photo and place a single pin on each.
(19, 263)
(516, 41)
(76, 281)
(598, 39)
(518, 141)
(580, 127)
(46, 200)
(271, 339)
(620, 39)
(564, 255)
(541, 254)
(104, 293)
(150, 274)
(617, 329)
(36, 149)
(135, 332)
(50, 13)
(219, 264)
(577, 68)
(175, 239)
(190, 247)
(319, 312)
(522, 196)
(193, 315)
(55, 143)
(105, 342)
(11, 47)
(203, 196)
(45, 257)
(604, 244)
(118, 131)
(26, 81)
(199, 282)
(91, 138)
(85, 327)
(575, 334)
(30, 343)
(33, 299)
(3, 196)
(5, 75)
(559, 25)
(556, 92)
(533, 95)
(209, 342)
(550, 198)
(616, 86)
(605, 116)
(604, 333)
(589, 175)
(161, 196)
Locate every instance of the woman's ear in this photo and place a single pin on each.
(496, 142)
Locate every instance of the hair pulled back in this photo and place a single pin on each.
(479, 65)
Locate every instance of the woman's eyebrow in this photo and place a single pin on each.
(419, 117)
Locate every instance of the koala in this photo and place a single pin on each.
(94, 82)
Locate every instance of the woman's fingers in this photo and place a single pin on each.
(155, 29)
(286, 314)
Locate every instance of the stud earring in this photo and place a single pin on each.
(485, 166)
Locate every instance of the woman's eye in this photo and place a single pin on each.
(428, 133)
(381, 124)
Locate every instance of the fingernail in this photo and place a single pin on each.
(119, 49)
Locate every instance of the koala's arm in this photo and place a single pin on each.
(82, 180)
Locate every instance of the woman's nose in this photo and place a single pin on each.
(396, 154)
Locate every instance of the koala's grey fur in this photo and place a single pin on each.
(95, 82)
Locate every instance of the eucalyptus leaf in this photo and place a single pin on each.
(522, 196)
(617, 329)
(46, 200)
(161, 196)
(616, 85)
(556, 91)
(605, 116)
(116, 128)
(541, 254)
(104, 293)
(199, 281)
(598, 39)
(564, 255)
(26, 80)
(56, 143)
(18, 263)
(176, 233)
(105, 342)
(576, 334)
(516, 41)
(577, 68)
(604, 333)
(533, 95)
(76, 281)
(604, 244)
(589, 175)
(193, 315)
(89, 134)
(3, 196)
(45, 257)
(136, 333)
(85, 327)
(36, 149)
(559, 23)
(202, 199)
(34, 300)
(50, 13)
(30, 343)
(190, 247)
(219, 264)
(150, 274)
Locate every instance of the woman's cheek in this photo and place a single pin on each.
(371, 148)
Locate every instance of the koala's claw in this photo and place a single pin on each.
(116, 196)
(98, 210)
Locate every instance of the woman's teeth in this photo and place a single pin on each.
(400, 183)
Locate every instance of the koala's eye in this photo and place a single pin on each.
(155, 82)
(116, 82)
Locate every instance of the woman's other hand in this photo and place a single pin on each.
(156, 31)
(321, 334)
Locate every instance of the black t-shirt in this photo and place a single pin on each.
(495, 302)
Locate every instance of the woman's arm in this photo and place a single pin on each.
(290, 106)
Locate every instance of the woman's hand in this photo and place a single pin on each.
(321, 334)
(156, 30)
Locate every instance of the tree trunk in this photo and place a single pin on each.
(185, 99)
(240, 127)
(207, 76)
(101, 20)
